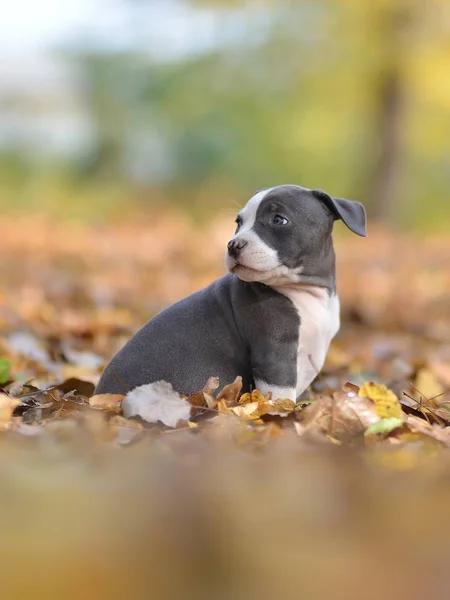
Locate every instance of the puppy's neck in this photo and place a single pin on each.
(294, 291)
(317, 273)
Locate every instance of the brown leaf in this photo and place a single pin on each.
(199, 401)
(342, 416)
(436, 432)
(85, 388)
(350, 388)
(230, 392)
(441, 369)
(110, 402)
(281, 407)
(119, 421)
(211, 385)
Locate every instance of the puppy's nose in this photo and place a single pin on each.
(235, 246)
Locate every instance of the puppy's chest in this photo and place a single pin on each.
(319, 322)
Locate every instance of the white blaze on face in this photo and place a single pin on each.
(258, 261)
(248, 213)
(257, 257)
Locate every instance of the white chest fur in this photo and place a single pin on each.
(319, 322)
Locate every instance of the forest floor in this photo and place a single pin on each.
(365, 454)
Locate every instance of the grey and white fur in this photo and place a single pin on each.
(270, 319)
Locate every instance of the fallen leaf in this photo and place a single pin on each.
(253, 396)
(384, 426)
(386, 402)
(197, 401)
(7, 407)
(441, 369)
(85, 388)
(119, 421)
(436, 432)
(223, 407)
(111, 402)
(5, 370)
(264, 405)
(155, 402)
(342, 416)
(281, 407)
(230, 392)
(427, 385)
(350, 388)
(250, 411)
(211, 385)
(201, 401)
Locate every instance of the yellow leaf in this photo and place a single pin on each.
(427, 384)
(7, 406)
(245, 398)
(249, 411)
(222, 407)
(386, 402)
(254, 396)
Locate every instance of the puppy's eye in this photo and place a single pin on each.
(238, 223)
(279, 220)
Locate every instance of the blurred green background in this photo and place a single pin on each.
(116, 104)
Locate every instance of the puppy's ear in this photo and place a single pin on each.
(352, 213)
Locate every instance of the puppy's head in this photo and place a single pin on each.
(283, 234)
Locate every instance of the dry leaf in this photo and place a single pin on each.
(201, 401)
(249, 411)
(211, 385)
(230, 392)
(111, 402)
(350, 388)
(223, 407)
(441, 369)
(436, 432)
(197, 400)
(386, 402)
(342, 416)
(282, 407)
(85, 388)
(254, 396)
(119, 421)
(427, 385)
(7, 407)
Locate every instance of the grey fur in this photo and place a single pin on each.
(234, 327)
(226, 329)
(353, 214)
(306, 241)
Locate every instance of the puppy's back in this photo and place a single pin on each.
(188, 342)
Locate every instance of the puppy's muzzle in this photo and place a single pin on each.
(235, 247)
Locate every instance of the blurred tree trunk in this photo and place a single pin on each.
(384, 189)
(104, 82)
(390, 105)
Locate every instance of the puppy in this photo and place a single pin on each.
(270, 319)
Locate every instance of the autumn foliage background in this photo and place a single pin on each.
(129, 136)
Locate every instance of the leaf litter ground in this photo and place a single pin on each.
(375, 423)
